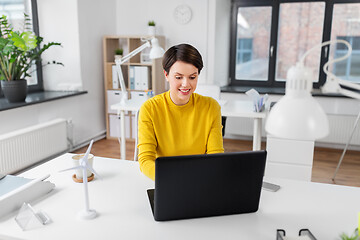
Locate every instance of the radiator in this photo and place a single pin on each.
(24, 147)
(340, 130)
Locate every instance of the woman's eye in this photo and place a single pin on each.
(192, 77)
(178, 77)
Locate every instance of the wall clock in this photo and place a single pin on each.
(182, 14)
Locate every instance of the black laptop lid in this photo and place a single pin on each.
(208, 185)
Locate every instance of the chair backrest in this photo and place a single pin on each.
(209, 91)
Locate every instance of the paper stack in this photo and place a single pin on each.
(259, 102)
(14, 191)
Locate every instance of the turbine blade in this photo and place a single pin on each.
(87, 152)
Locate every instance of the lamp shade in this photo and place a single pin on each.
(298, 115)
(297, 118)
(156, 51)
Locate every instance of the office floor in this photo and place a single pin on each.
(325, 159)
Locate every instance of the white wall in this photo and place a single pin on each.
(219, 41)
(79, 25)
(55, 26)
(133, 16)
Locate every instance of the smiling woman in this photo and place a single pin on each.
(179, 122)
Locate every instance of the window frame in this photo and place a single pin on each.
(39, 87)
(275, 5)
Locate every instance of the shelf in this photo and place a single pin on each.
(156, 79)
(132, 64)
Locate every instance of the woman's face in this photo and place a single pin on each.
(182, 79)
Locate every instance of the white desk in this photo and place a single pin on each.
(130, 105)
(245, 109)
(228, 109)
(124, 211)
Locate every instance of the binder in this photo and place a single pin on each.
(141, 78)
(132, 77)
(137, 78)
(115, 81)
(144, 78)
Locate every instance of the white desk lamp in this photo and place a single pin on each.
(298, 115)
(155, 52)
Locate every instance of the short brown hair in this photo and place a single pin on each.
(182, 52)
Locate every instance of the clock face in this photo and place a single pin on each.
(182, 14)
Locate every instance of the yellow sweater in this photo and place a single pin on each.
(166, 129)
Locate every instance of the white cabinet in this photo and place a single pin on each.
(115, 130)
(286, 158)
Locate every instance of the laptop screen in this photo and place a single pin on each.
(208, 185)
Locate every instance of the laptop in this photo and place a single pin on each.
(207, 185)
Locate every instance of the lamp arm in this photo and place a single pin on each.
(349, 93)
(335, 60)
(133, 53)
(118, 62)
(332, 84)
(328, 43)
(349, 84)
(121, 80)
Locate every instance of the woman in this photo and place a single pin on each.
(179, 121)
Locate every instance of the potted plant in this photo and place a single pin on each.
(118, 53)
(354, 236)
(19, 50)
(151, 28)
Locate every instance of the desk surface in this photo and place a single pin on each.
(124, 212)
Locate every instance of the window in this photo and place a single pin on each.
(346, 26)
(348, 69)
(14, 10)
(253, 39)
(300, 28)
(244, 50)
(268, 37)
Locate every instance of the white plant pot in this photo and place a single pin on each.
(79, 172)
(151, 30)
(118, 57)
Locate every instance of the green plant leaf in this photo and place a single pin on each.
(25, 41)
(30, 40)
(19, 50)
(3, 43)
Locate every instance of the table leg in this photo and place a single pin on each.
(257, 134)
(123, 140)
(136, 137)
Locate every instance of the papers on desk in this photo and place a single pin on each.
(14, 191)
(10, 183)
(259, 101)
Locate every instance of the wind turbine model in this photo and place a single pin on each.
(87, 213)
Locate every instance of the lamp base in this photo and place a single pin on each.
(87, 215)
